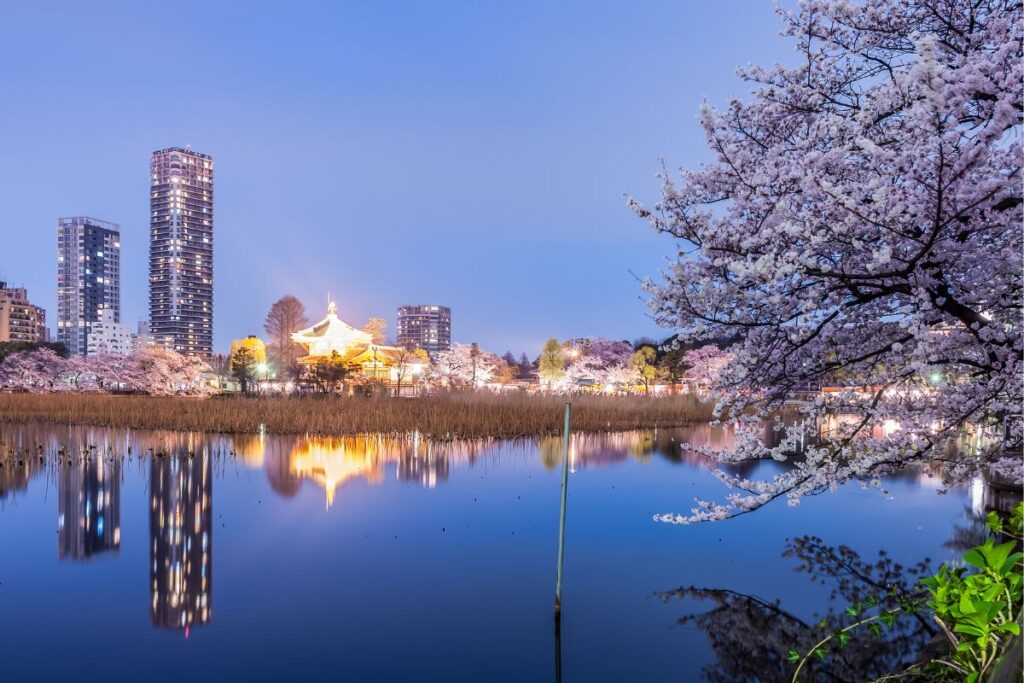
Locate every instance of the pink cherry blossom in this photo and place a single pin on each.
(860, 226)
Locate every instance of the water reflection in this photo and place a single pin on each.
(22, 457)
(181, 540)
(88, 508)
(750, 636)
(331, 462)
(86, 467)
(679, 446)
(16, 473)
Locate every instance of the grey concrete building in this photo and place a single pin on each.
(88, 277)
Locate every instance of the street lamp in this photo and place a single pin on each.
(262, 369)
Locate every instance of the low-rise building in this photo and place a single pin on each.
(142, 339)
(109, 336)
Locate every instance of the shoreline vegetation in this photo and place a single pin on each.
(441, 416)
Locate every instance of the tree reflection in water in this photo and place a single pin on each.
(751, 636)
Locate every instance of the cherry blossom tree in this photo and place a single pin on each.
(705, 364)
(463, 365)
(618, 378)
(38, 371)
(593, 360)
(581, 369)
(152, 370)
(610, 352)
(161, 372)
(860, 225)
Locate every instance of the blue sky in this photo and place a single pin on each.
(468, 154)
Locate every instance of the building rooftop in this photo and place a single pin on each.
(186, 150)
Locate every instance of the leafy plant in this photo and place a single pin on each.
(977, 607)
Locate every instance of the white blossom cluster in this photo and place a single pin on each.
(861, 227)
(154, 371)
(463, 365)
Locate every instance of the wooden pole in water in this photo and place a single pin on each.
(561, 517)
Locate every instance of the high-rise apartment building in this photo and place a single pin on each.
(427, 327)
(88, 277)
(181, 250)
(20, 321)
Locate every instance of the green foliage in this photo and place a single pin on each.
(552, 361)
(243, 366)
(977, 606)
(642, 363)
(327, 374)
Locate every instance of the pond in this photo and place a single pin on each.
(163, 556)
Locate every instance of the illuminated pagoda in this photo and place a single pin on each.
(353, 347)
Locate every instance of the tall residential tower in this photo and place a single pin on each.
(88, 277)
(426, 326)
(181, 250)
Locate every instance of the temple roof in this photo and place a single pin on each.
(332, 333)
(378, 353)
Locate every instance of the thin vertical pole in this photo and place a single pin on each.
(561, 517)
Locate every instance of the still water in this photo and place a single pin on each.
(189, 557)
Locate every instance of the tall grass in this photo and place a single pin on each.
(442, 416)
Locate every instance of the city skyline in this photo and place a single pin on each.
(477, 157)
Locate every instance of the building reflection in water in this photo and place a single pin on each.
(88, 508)
(424, 464)
(181, 539)
(331, 462)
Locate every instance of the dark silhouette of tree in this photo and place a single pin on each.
(751, 636)
(525, 367)
(7, 348)
(328, 374)
(286, 316)
(243, 367)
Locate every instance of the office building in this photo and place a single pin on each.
(20, 321)
(181, 250)
(427, 327)
(88, 278)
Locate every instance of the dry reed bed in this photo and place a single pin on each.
(443, 416)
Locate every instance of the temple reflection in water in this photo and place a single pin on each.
(88, 508)
(181, 540)
(331, 462)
